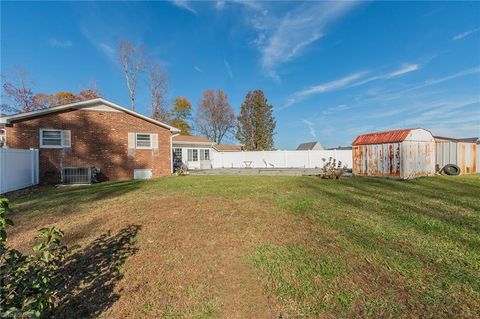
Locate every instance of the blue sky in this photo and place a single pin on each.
(332, 70)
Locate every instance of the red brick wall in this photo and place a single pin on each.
(98, 139)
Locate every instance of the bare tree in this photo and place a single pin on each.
(215, 118)
(134, 61)
(158, 92)
(17, 93)
(90, 92)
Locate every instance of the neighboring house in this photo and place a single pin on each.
(310, 146)
(193, 151)
(227, 148)
(197, 152)
(97, 133)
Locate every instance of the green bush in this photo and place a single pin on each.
(28, 287)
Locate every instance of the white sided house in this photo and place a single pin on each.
(193, 151)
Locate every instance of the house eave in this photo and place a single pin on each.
(82, 104)
(194, 143)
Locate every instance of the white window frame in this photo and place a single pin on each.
(194, 150)
(51, 146)
(143, 147)
(203, 152)
(175, 153)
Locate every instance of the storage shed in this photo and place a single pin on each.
(459, 151)
(407, 153)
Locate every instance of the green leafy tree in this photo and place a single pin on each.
(28, 284)
(256, 124)
(181, 113)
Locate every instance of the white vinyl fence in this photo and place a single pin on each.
(18, 169)
(279, 159)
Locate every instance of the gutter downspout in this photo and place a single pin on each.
(171, 151)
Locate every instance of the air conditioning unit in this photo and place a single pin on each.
(79, 175)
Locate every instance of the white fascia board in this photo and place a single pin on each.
(78, 105)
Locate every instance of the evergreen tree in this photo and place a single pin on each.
(256, 124)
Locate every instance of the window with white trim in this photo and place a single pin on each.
(177, 155)
(143, 140)
(54, 138)
(192, 155)
(204, 155)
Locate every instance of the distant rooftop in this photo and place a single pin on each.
(227, 148)
(310, 146)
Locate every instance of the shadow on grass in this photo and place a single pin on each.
(89, 275)
(66, 200)
(426, 206)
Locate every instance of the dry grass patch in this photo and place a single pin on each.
(264, 247)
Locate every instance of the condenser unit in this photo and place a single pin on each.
(79, 175)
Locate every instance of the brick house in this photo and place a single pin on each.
(96, 133)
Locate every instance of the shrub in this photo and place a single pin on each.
(28, 288)
(181, 170)
(332, 169)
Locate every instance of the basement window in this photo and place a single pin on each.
(143, 140)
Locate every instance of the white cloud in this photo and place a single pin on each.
(184, 4)
(104, 47)
(407, 68)
(333, 85)
(449, 77)
(281, 39)
(352, 80)
(228, 68)
(59, 43)
(220, 5)
(311, 128)
(336, 109)
(109, 51)
(198, 69)
(255, 5)
(464, 34)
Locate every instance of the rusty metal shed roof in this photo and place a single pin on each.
(395, 136)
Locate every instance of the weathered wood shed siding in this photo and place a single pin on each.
(398, 154)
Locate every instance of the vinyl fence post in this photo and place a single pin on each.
(2, 169)
(37, 166)
(32, 166)
(285, 158)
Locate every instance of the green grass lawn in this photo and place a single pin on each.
(265, 247)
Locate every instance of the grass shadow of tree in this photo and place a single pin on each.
(89, 275)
